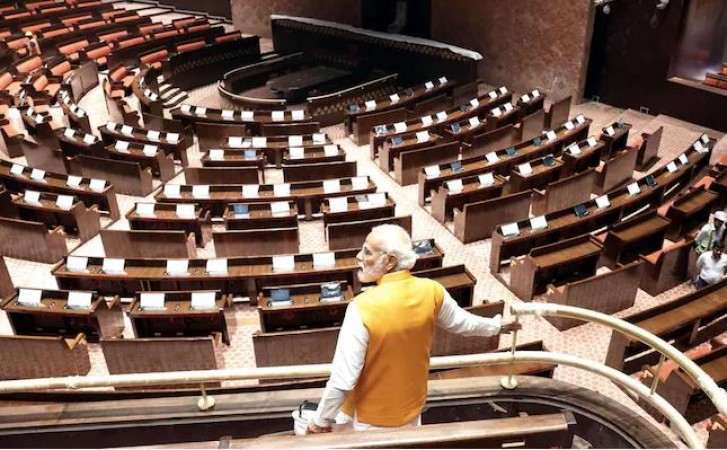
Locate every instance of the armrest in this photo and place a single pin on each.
(228, 300)
(72, 343)
(58, 230)
(116, 301)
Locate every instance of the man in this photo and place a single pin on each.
(711, 266)
(381, 365)
(711, 233)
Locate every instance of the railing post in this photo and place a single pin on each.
(655, 381)
(206, 402)
(509, 382)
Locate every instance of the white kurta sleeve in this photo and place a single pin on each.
(456, 320)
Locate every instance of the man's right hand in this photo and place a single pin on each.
(510, 326)
(315, 429)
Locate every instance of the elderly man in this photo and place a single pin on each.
(711, 233)
(381, 365)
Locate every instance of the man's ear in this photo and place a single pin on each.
(393, 262)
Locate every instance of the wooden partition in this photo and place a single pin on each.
(563, 193)
(212, 135)
(223, 175)
(559, 112)
(616, 171)
(409, 163)
(353, 234)
(666, 268)
(607, 293)
(43, 357)
(268, 241)
(533, 125)
(649, 149)
(321, 171)
(7, 289)
(31, 241)
(148, 244)
(478, 220)
(127, 177)
(79, 220)
(288, 129)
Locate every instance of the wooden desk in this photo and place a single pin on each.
(276, 146)
(32, 241)
(444, 201)
(111, 132)
(79, 220)
(161, 164)
(589, 158)
(306, 310)
(409, 163)
(295, 86)
(566, 192)
(128, 177)
(54, 318)
(223, 175)
(166, 218)
(320, 171)
(43, 357)
(690, 210)
(480, 219)
(214, 115)
(358, 209)
(615, 142)
(649, 149)
(642, 234)
(148, 244)
(666, 267)
(616, 171)
(541, 175)
(235, 158)
(261, 242)
(180, 319)
(457, 280)
(260, 217)
(343, 235)
(390, 152)
(558, 263)
(314, 155)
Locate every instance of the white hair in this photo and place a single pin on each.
(396, 241)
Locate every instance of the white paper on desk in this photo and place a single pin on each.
(64, 202)
(77, 263)
(127, 129)
(200, 111)
(279, 208)
(227, 114)
(145, 209)
(172, 138)
(474, 121)
(671, 167)
(591, 141)
(551, 135)
(704, 138)
(247, 115)
(217, 154)
(200, 191)
(89, 139)
(525, 169)
(319, 138)
(250, 190)
(337, 204)
(536, 93)
(492, 94)
(204, 300)
(69, 133)
(698, 147)
(496, 112)
(32, 197)
(185, 211)
(442, 80)
(525, 98)
(150, 150)
(79, 300)
(427, 120)
(113, 265)
(111, 126)
(633, 188)
(330, 150)
(277, 116)
(428, 85)
(603, 202)
(422, 136)
(283, 263)
(609, 131)
(400, 127)
(455, 186)
(580, 118)
(324, 260)
(281, 190)
(30, 297)
(298, 114)
(370, 104)
(359, 183)
(122, 146)
(147, 92)
(217, 266)
(474, 103)
(331, 186)
(152, 300)
(569, 125)
(259, 142)
(74, 180)
(511, 229)
(37, 174)
(503, 90)
(172, 190)
(153, 135)
(432, 171)
(508, 107)
(538, 223)
(487, 179)
(80, 112)
(394, 98)
(294, 141)
(441, 116)
(574, 149)
(234, 141)
(17, 169)
(185, 109)
(177, 266)
(39, 118)
(296, 152)
(683, 159)
(492, 157)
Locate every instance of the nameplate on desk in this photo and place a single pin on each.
(574, 149)
(293, 141)
(172, 138)
(609, 130)
(145, 209)
(704, 138)
(250, 190)
(177, 267)
(474, 103)
(377, 199)
(331, 186)
(551, 136)
(603, 202)
(152, 300)
(37, 174)
(338, 204)
(64, 202)
(699, 147)
(153, 135)
(280, 297)
(324, 260)
(492, 157)
(536, 93)
(259, 142)
(428, 85)
(217, 266)
(39, 118)
(77, 263)
(441, 116)
(474, 122)
(281, 190)
(319, 138)
(204, 300)
(185, 211)
(569, 126)
(234, 141)
(277, 116)
(30, 297)
(422, 136)
(297, 114)
(17, 170)
(79, 112)
(79, 300)
(296, 152)
(32, 197)
(591, 141)
(487, 179)
(111, 126)
(283, 263)
(74, 180)
(510, 229)
(492, 95)
(683, 159)
(69, 133)
(113, 266)
(525, 98)
(200, 191)
(538, 223)
(127, 129)
(149, 150)
(359, 183)
(122, 146)
(172, 190)
(185, 109)
(508, 107)
(443, 80)
(217, 154)
(279, 208)
(394, 98)
(147, 92)
(427, 120)
(496, 112)
(247, 115)
(525, 169)
(455, 186)
(580, 118)
(330, 150)
(671, 167)
(400, 127)
(633, 188)
(227, 114)
(503, 90)
(200, 111)
(432, 171)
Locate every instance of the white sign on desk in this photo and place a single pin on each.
(492, 157)
(153, 135)
(580, 118)
(145, 209)
(89, 139)
(331, 186)
(217, 154)
(455, 186)
(508, 107)
(32, 197)
(525, 98)
(281, 190)
(377, 199)
(298, 114)
(400, 127)
(279, 208)
(204, 300)
(633, 188)
(487, 179)
(37, 174)
(127, 129)
(569, 126)
(185, 211)
(247, 116)
(671, 167)
(283, 263)
(324, 260)
(511, 229)
(427, 120)
(260, 142)
(201, 191)
(359, 183)
(200, 111)
(122, 146)
(536, 93)
(610, 131)
(428, 85)
(432, 171)
(474, 103)
(496, 112)
(69, 133)
(591, 141)
(422, 136)
(30, 297)
(172, 190)
(277, 116)
(295, 141)
(441, 116)
(79, 300)
(538, 223)
(698, 147)
(227, 114)
(442, 80)
(503, 90)
(525, 169)
(492, 95)
(74, 180)
(64, 202)
(17, 170)
(337, 204)
(77, 263)
(113, 266)
(319, 138)
(683, 158)
(474, 121)
(705, 139)
(172, 138)
(603, 202)
(551, 135)
(111, 126)
(217, 266)
(152, 300)
(394, 98)
(574, 149)
(185, 109)
(330, 150)
(177, 266)
(234, 141)
(296, 152)
(149, 150)
(250, 190)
